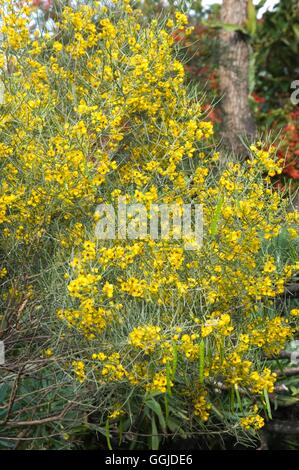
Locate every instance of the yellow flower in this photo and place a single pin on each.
(201, 406)
(48, 352)
(117, 413)
(253, 422)
(295, 312)
(145, 337)
(79, 369)
(108, 290)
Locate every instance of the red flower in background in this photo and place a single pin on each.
(212, 113)
(289, 150)
(44, 4)
(258, 99)
(292, 172)
(179, 35)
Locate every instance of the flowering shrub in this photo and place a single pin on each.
(155, 338)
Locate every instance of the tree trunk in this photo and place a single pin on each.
(234, 78)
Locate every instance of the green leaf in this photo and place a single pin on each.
(296, 30)
(201, 361)
(251, 20)
(287, 401)
(252, 73)
(173, 425)
(107, 432)
(217, 412)
(216, 217)
(166, 407)
(175, 360)
(238, 398)
(268, 405)
(154, 437)
(156, 408)
(168, 378)
(120, 431)
(232, 400)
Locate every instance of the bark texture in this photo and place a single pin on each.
(234, 77)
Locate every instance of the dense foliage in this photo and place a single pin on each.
(139, 337)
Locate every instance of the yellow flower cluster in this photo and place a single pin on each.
(201, 406)
(145, 337)
(253, 422)
(189, 346)
(159, 383)
(3, 272)
(263, 158)
(270, 334)
(133, 287)
(262, 381)
(221, 323)
(79, 369)
(117, 413)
